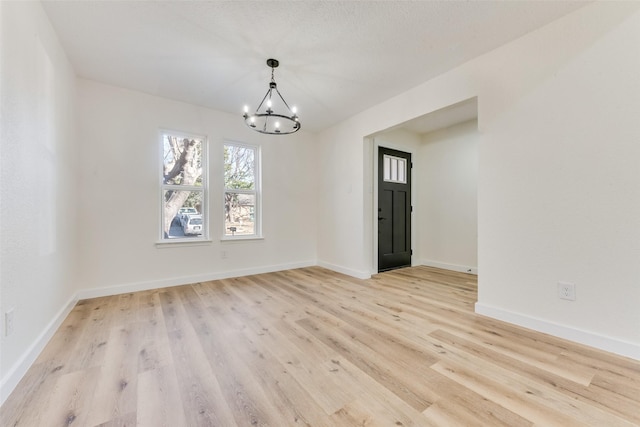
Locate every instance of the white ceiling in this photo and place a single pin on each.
(337, 58)
(443, 118)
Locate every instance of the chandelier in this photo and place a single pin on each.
(273, 116)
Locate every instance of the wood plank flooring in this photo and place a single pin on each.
(310, 347)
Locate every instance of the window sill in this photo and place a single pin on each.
(240, 238)
(178, 243)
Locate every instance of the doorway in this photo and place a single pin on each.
(394, 209)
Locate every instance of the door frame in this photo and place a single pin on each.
(375, 143)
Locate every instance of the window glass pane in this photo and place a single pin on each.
(239, 167)
(239, 214)
(394, 169)
(183, 214)
(387, 168)
(182, 160)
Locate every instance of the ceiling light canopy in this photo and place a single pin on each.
(273, 116)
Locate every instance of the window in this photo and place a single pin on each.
(184, 187)
(394, 169)
(241, 191)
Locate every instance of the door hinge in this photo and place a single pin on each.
(411, 208)
(411, 251)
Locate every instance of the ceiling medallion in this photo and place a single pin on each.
(273, 116)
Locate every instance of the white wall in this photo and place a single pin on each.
(38, 191)
(119, 211)
(558, 178)
(559, 195)
(447, 211)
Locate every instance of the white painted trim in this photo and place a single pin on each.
(344, 270)
(374, 206)
(20, 368)
(452, 267)
(592, 339)
(183, 280)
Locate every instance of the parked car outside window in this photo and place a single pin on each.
(181, 215)
(192, 224)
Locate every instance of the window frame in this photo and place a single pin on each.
(203, 188)
(256, 192)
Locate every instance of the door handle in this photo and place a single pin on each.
(379, 218)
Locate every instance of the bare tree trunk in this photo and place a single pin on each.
(171, 207)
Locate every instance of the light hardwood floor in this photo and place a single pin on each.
(310, 347)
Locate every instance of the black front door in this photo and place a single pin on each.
(394, 209)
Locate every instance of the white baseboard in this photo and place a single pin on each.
(20, 368)
(183, 280)
(452, 267)
(612, 345)
(344, 270)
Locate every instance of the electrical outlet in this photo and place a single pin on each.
(8, 323)
(567, 291)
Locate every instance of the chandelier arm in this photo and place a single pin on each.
(268, 94)
(285, 102)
